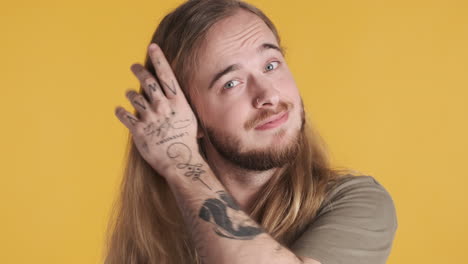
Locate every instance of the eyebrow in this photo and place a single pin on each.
(234, 67)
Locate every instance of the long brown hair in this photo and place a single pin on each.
(146, 225)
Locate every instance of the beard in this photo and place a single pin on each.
(261, 159)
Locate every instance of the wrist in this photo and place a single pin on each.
(183, 172)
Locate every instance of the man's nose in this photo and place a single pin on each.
(265, 93)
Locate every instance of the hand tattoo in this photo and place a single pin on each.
(171, 88)
(151, 130)
(167, 124)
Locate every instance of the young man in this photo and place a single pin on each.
(223, 167)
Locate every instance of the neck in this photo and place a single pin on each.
(241, 183)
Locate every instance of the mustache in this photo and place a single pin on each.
(267, 113)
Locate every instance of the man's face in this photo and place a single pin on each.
(245, 95)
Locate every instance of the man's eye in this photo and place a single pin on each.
(271, 66)
(231, 84)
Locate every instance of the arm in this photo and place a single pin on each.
(221, 231)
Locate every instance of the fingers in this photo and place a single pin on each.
(139, 102)
(148, 82)
(158, 90)
(164, 71)
(126, 118)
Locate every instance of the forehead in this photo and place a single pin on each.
(232, 36)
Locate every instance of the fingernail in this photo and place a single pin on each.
(134, 67)
(152, 47)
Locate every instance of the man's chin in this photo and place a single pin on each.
(264, 160)
(276, 154)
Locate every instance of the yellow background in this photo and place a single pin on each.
(385, 81)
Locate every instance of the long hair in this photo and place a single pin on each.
(146, 225)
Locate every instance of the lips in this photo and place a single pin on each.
(273, 121)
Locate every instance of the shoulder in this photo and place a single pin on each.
(359, 192)
(357, 218)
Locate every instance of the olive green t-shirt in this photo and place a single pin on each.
(356, 224)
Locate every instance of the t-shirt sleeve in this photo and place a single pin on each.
(355, 225)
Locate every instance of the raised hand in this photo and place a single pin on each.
(165, 132)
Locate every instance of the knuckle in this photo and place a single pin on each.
(164, 75)
(151, 85)
(163, 108)
(148, 80)
(138, 97)
(138, 129)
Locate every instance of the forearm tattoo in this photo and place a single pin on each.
(235, 225)
(183, 155)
